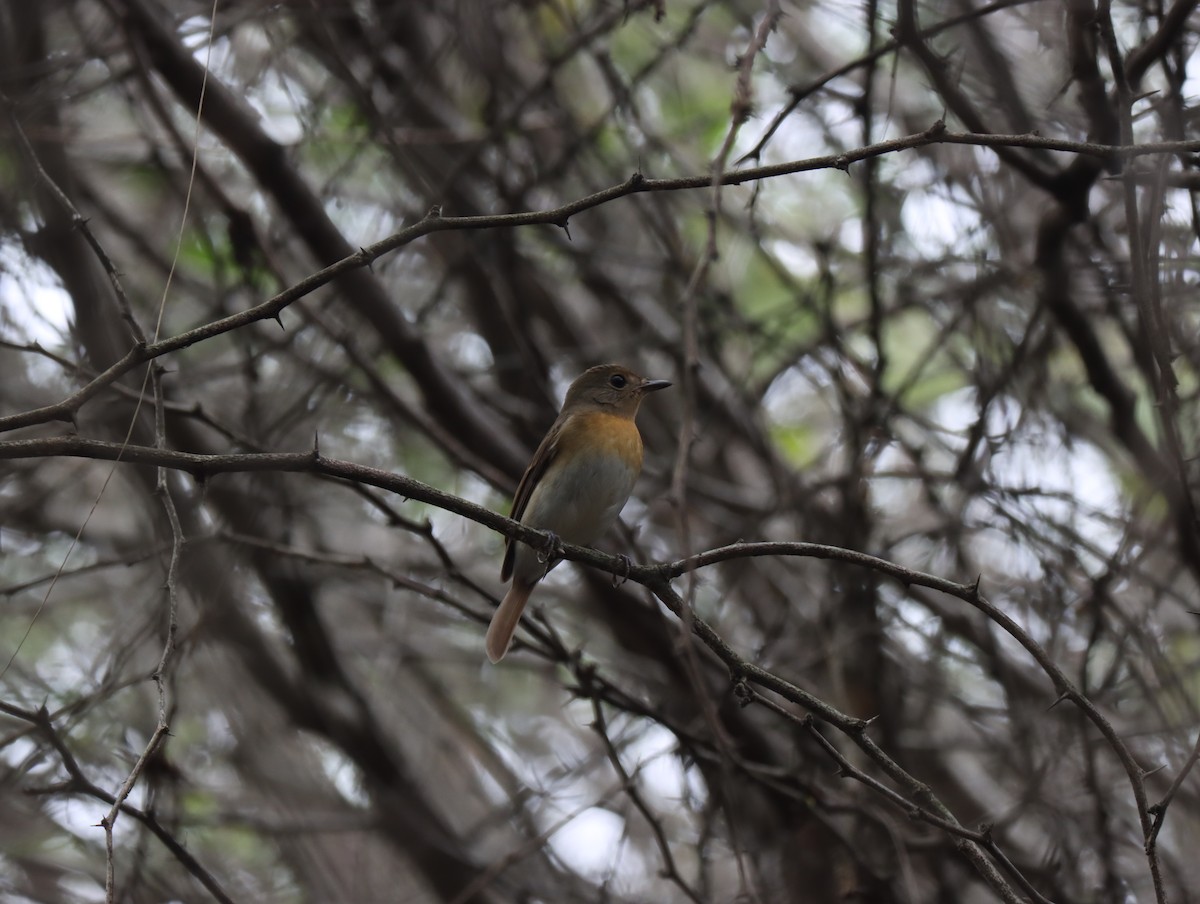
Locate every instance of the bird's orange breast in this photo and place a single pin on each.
(600, 433)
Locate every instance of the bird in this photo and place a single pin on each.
(577, 483)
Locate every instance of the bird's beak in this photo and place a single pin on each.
(655, 385)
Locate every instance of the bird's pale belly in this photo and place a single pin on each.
(579, 501)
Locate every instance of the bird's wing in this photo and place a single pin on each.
(545, 454)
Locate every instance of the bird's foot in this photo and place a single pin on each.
(626, 566)
(553, 550)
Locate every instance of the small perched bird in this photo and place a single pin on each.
(577, 483)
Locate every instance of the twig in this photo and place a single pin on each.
(670, 870)
(559, 216)
(79, 783)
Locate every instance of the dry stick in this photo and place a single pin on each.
(366, 563)
(1159, 810)
(657, 578)
(139, 339)
(527, 848)
(79, 783)
(741, 671)
(1161, 375)
(163, 490)
(78, 221)
(125, 561)
(740, 108)
(669, 870)
(915, 811)
(798, 93)
(162, 727)
(560, 216)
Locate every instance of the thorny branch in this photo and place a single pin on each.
(435, 222)
(655, 577)
(806, 411)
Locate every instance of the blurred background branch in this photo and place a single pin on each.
(938, 322)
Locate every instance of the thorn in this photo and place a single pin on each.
(366, 256)
(938, 128)
(637, 179)
(755, 155)
(566, 227)
(278, 318)
(435, 212)
(1061, 697)
(316, 449)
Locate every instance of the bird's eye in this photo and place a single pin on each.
(616, 381)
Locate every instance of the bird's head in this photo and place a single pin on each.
(610, 387)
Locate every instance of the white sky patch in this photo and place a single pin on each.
(798, 259)
(471, 350)
(341, 773)
(850, 236)
(590, 842)
(652, 755)
(797, 137)
(937, 226)
(596, 837)
(790, 399)
(81, 817)
(1076, 483)
(955, 411)
(779, 49)
(59, 665)
(1031, 458)
(272, 99)
(34, 302)
(909, 173)
(839, 25)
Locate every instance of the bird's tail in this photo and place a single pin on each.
(504, 622)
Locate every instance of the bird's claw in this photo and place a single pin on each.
(553, 550)
(627, 566)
